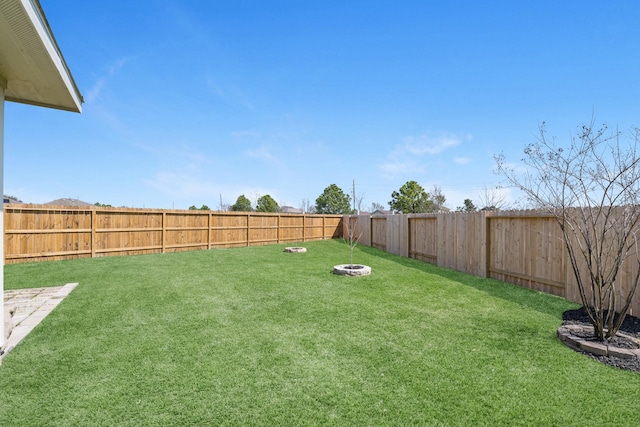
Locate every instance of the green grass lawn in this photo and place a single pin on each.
(257, 336)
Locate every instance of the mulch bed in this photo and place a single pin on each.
(630, 326)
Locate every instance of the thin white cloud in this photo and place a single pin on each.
(272, 148)
(243, 134)
(215, 88)
(181, 185)
(95, 91)
(408, 157)
(186, 189)
(462, 160)
(186, 154)
(518, 168)
(229, 93)
(430, 144)
(261, 153)
(397, 165)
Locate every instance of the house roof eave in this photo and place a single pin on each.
(31, 62)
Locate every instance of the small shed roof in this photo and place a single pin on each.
(32, 68)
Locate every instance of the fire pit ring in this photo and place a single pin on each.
(295, 249)
(352, 270)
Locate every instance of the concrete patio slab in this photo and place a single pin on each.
(30, 307)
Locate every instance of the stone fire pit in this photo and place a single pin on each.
(295, 249)
(352, 270)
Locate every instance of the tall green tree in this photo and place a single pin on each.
(411, 198)
(266, 203)
(333, 201)
(242, 204)
(203, 208)
(467, 206)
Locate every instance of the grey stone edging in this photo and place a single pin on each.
(352, 270)
(567, 335)
(295, 249)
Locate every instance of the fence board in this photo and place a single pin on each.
(36, 233)
(527, 250)
(423, 239)
(521, 247)
(397, 227)
(364, 225)
(379, 232)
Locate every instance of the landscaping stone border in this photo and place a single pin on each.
(569, 335)
(352, 270)
(295, 249)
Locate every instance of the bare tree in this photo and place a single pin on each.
(360, 201)
(492, 199)
(223, 206)
(353, 235)
(307, 206)
(376, 207)
(592, 188)
(439, 199)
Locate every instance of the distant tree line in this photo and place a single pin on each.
(410, 198)
(201, 208)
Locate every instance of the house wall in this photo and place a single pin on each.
(2, 88)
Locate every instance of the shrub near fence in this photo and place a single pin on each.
(521, 247)
(38, 233)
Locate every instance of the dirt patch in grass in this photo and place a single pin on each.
(630, 326)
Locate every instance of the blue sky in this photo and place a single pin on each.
(190, 101)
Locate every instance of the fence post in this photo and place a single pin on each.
(164, 230)
(487, 249)
(408, 236)
(248, 228)
(209, 230)
(94, 216)
(323, 232)
(371, 231)
(106, 231)
(486, 242)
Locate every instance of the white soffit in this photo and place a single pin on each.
(31, 64)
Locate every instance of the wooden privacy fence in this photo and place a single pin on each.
(521, 247)
(37, 233)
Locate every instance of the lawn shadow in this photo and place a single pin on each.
(544, 303)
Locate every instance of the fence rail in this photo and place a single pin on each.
(521, 247)
(38, 233)
(524, 248)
